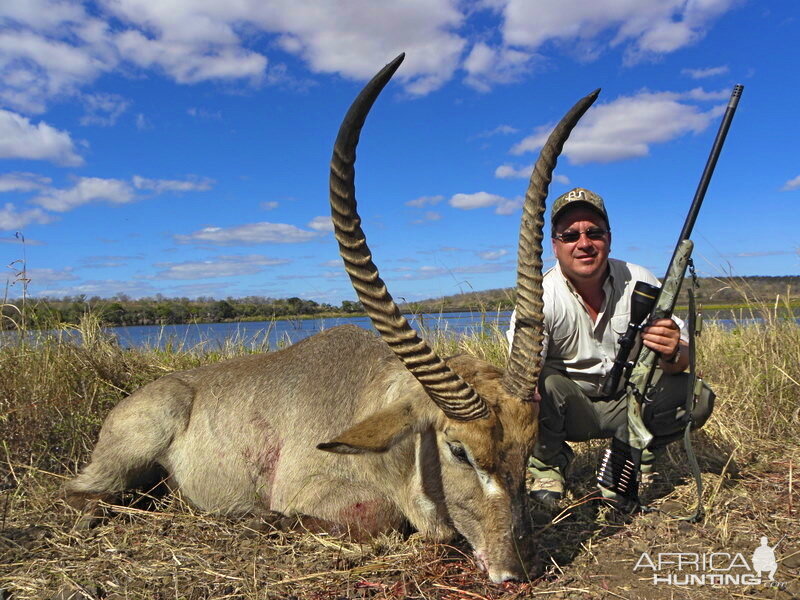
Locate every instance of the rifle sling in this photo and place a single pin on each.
(690, 402)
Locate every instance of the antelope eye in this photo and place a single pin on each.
(457, 450)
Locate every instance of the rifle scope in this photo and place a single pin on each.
(642, 300)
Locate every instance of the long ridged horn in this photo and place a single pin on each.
(525, 361)
(449, 391)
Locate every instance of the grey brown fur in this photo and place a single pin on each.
(240, 437)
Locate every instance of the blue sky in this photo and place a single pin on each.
(181, 147)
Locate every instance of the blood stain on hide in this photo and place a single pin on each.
(264, 457)
(365, 518)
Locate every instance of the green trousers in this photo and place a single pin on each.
(567, 414)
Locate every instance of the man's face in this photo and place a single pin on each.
(585, 259)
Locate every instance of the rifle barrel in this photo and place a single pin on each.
(716, 149)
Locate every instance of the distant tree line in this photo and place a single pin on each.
(159, 310)
(717, 290)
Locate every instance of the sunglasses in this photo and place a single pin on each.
(570, 237)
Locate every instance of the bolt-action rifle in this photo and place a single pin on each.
(620, 465)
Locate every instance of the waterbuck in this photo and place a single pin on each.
(360, 433)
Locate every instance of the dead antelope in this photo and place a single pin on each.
(359, 432)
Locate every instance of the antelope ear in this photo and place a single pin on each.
(376, 433)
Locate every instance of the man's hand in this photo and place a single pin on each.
(664, 336)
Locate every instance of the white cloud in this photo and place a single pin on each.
(702, 95)
(503, 206)
(18, 240)
(792, 184)
(86, 190)
(12, 219)
(107, 261)
(476, 200)
(499, 130)
(43, 14)
(703, 73)
(190, 61)
(563, 179)
(434, 251)
(493, 254)
(23, 182)
(91, 189)
(19, 138)
(429, 215)
(321, 224)
(192, 42)
(508, 207)
(142, 123)
(103, 109)
(429, 271)
(52, 48)
(626, 127)
(486, 66)
(425, 201)
(48, 276)
(762, 253)
(223, 266)
(251, 233)
(159, 186)
(374, 31)
(324, 275)
(511, 172)
(647, 26)
(105, 288)
(202, 113)
(271, 205)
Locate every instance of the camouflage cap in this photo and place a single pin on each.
(577, 195)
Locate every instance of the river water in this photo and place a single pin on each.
(275, 334)
(272, 335)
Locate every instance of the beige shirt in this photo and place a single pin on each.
(573, 343)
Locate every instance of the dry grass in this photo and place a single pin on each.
(54, 393)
